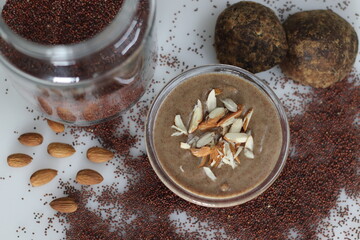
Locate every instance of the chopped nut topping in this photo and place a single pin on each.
(225, 142)
(209, 173)
(218, 91)
(250, 143)
(205, 139)
(236, 126)
(236, 137)
(204, 161)
(230, 104)
(201, 152)
(179, 126)
(214, 116)
(230, 117)
(211, 101)
(248, 153)
(247, 118)
(197, 117)
(185, 145)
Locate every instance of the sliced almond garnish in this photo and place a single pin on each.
(193, 141)
(228, 155)
(247, 119)
(217, 113)
(230, 105)
(207, 125)
(225, 130)
(230, 117)
(218, 91)
(220, 146)
(236, 137)
(209, 173)
(179, 129)
(236, 126)
(179, 123)
(212, 143)
(235, 152)
(238, 151)
(201, 152)
(205, 139)
(185, 145)
(248, 153)
(250, 143)
(214, 117)
(216, 155)
(204, 161)
(211, 101)
(175, 134)
(197, 117)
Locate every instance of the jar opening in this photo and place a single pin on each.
(113, 30)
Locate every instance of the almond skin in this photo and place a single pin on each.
(64, 205)
(55, 126)
(42, 177)
(89, 177)
(45, 106)
(60, 150)
(65, 114)
(18, 160)
(201, 152)
(31, 139)
(99, 155)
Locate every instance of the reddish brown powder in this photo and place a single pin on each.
(324, 159)
(58, 22)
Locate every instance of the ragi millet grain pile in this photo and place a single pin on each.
(324, 160)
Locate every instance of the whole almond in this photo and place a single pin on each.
(65, 114)
(99, 155)
(89, 177)
(42, 177)
(64, 205)
(31, 139)
(56, 126)
(60, 150)
(18, 160)
(45, 105)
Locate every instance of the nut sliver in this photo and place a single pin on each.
(209, 173)
(179, 123)
(250, 143)
(205, 139)
(211, 101)
(236, 137)
(217, 113)
(230, 105)
(247, 119)
(196, 117)
(248, 153)
(236, 126)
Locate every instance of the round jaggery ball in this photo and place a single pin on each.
(250, 35)
(322, 48)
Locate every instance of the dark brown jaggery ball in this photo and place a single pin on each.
(322, 48)
(250, 35)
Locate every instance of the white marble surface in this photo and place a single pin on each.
(181, 24)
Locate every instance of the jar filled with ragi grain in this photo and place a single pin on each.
(79, 62)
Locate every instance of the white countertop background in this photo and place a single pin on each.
(180, 24)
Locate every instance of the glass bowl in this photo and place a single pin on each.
(211, 201)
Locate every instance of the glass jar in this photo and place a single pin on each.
(91, 81)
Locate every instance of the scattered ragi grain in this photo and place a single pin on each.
(323, 160)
